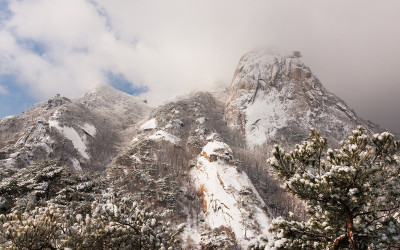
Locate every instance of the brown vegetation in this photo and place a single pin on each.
(202, 191)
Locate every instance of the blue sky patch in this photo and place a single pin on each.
(119, 82)
(16, 101)
(5, 12)
(34, 46)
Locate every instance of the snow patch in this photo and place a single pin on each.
(71, 134)
(9, 162)
(168, 126)
(14, 155)
(264, 117)
(45, 146)
(216, 147)
(90, 129)
(341, 105)
(150, 124)
(135, 158)
(56, 114)
(201, 120)
(76, 164)
(191, 232)
(162, 135)
(175, 112)
(6, 118)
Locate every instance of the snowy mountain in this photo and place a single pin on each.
(82, 133)
(275, 98)
(194, 158)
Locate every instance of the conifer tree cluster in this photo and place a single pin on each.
(352, 194)
(114, 223)
(52, 207)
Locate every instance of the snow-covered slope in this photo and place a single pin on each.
(83, 133)
(115, 105)
(229, 197)
(275, 98)
(119, 109)
(180, 156)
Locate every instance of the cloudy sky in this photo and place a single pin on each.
(162, 48)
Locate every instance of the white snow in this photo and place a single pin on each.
(281, 102)
(162, 135)
(76, 164)
(9, 162)
(341, 105)
(135, 158)
(216, 146)
(175, 112)
(150, 124)
(168, 126)
(264, 117)
(45, 146)
(56, 114)
(229, 198)
(201, 120)
(90, 129)
(13, 155)
(71, 134)
(6, 118)
(190, 233)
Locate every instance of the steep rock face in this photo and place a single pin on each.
(275, 98)
(229, 198)
(82, 133)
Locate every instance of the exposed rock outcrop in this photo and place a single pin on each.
(229, 198)
(274, 97)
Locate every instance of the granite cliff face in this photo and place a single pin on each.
(275, 98)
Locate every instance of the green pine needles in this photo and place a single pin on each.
(352, 194)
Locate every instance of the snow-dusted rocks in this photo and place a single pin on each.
(116, 106)
(71, 134)
(89, 129)
(229, 198)
(164, 136)
(163, 156)
(81, 133)
(150, 124)
(275, 97)
(215, 149)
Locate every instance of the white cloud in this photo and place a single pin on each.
(174, 46)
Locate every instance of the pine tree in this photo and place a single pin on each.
(47, 206)
(352, 194)
(114, 223)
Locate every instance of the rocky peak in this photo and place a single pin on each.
(81, 133)
(116, 106)
(215, 149)
(56, 101)
(263, 71)
(104, 90)
(276, 97)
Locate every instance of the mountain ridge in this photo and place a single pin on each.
(91, 126)
(202, 155)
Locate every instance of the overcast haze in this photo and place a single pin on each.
(160, 49)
